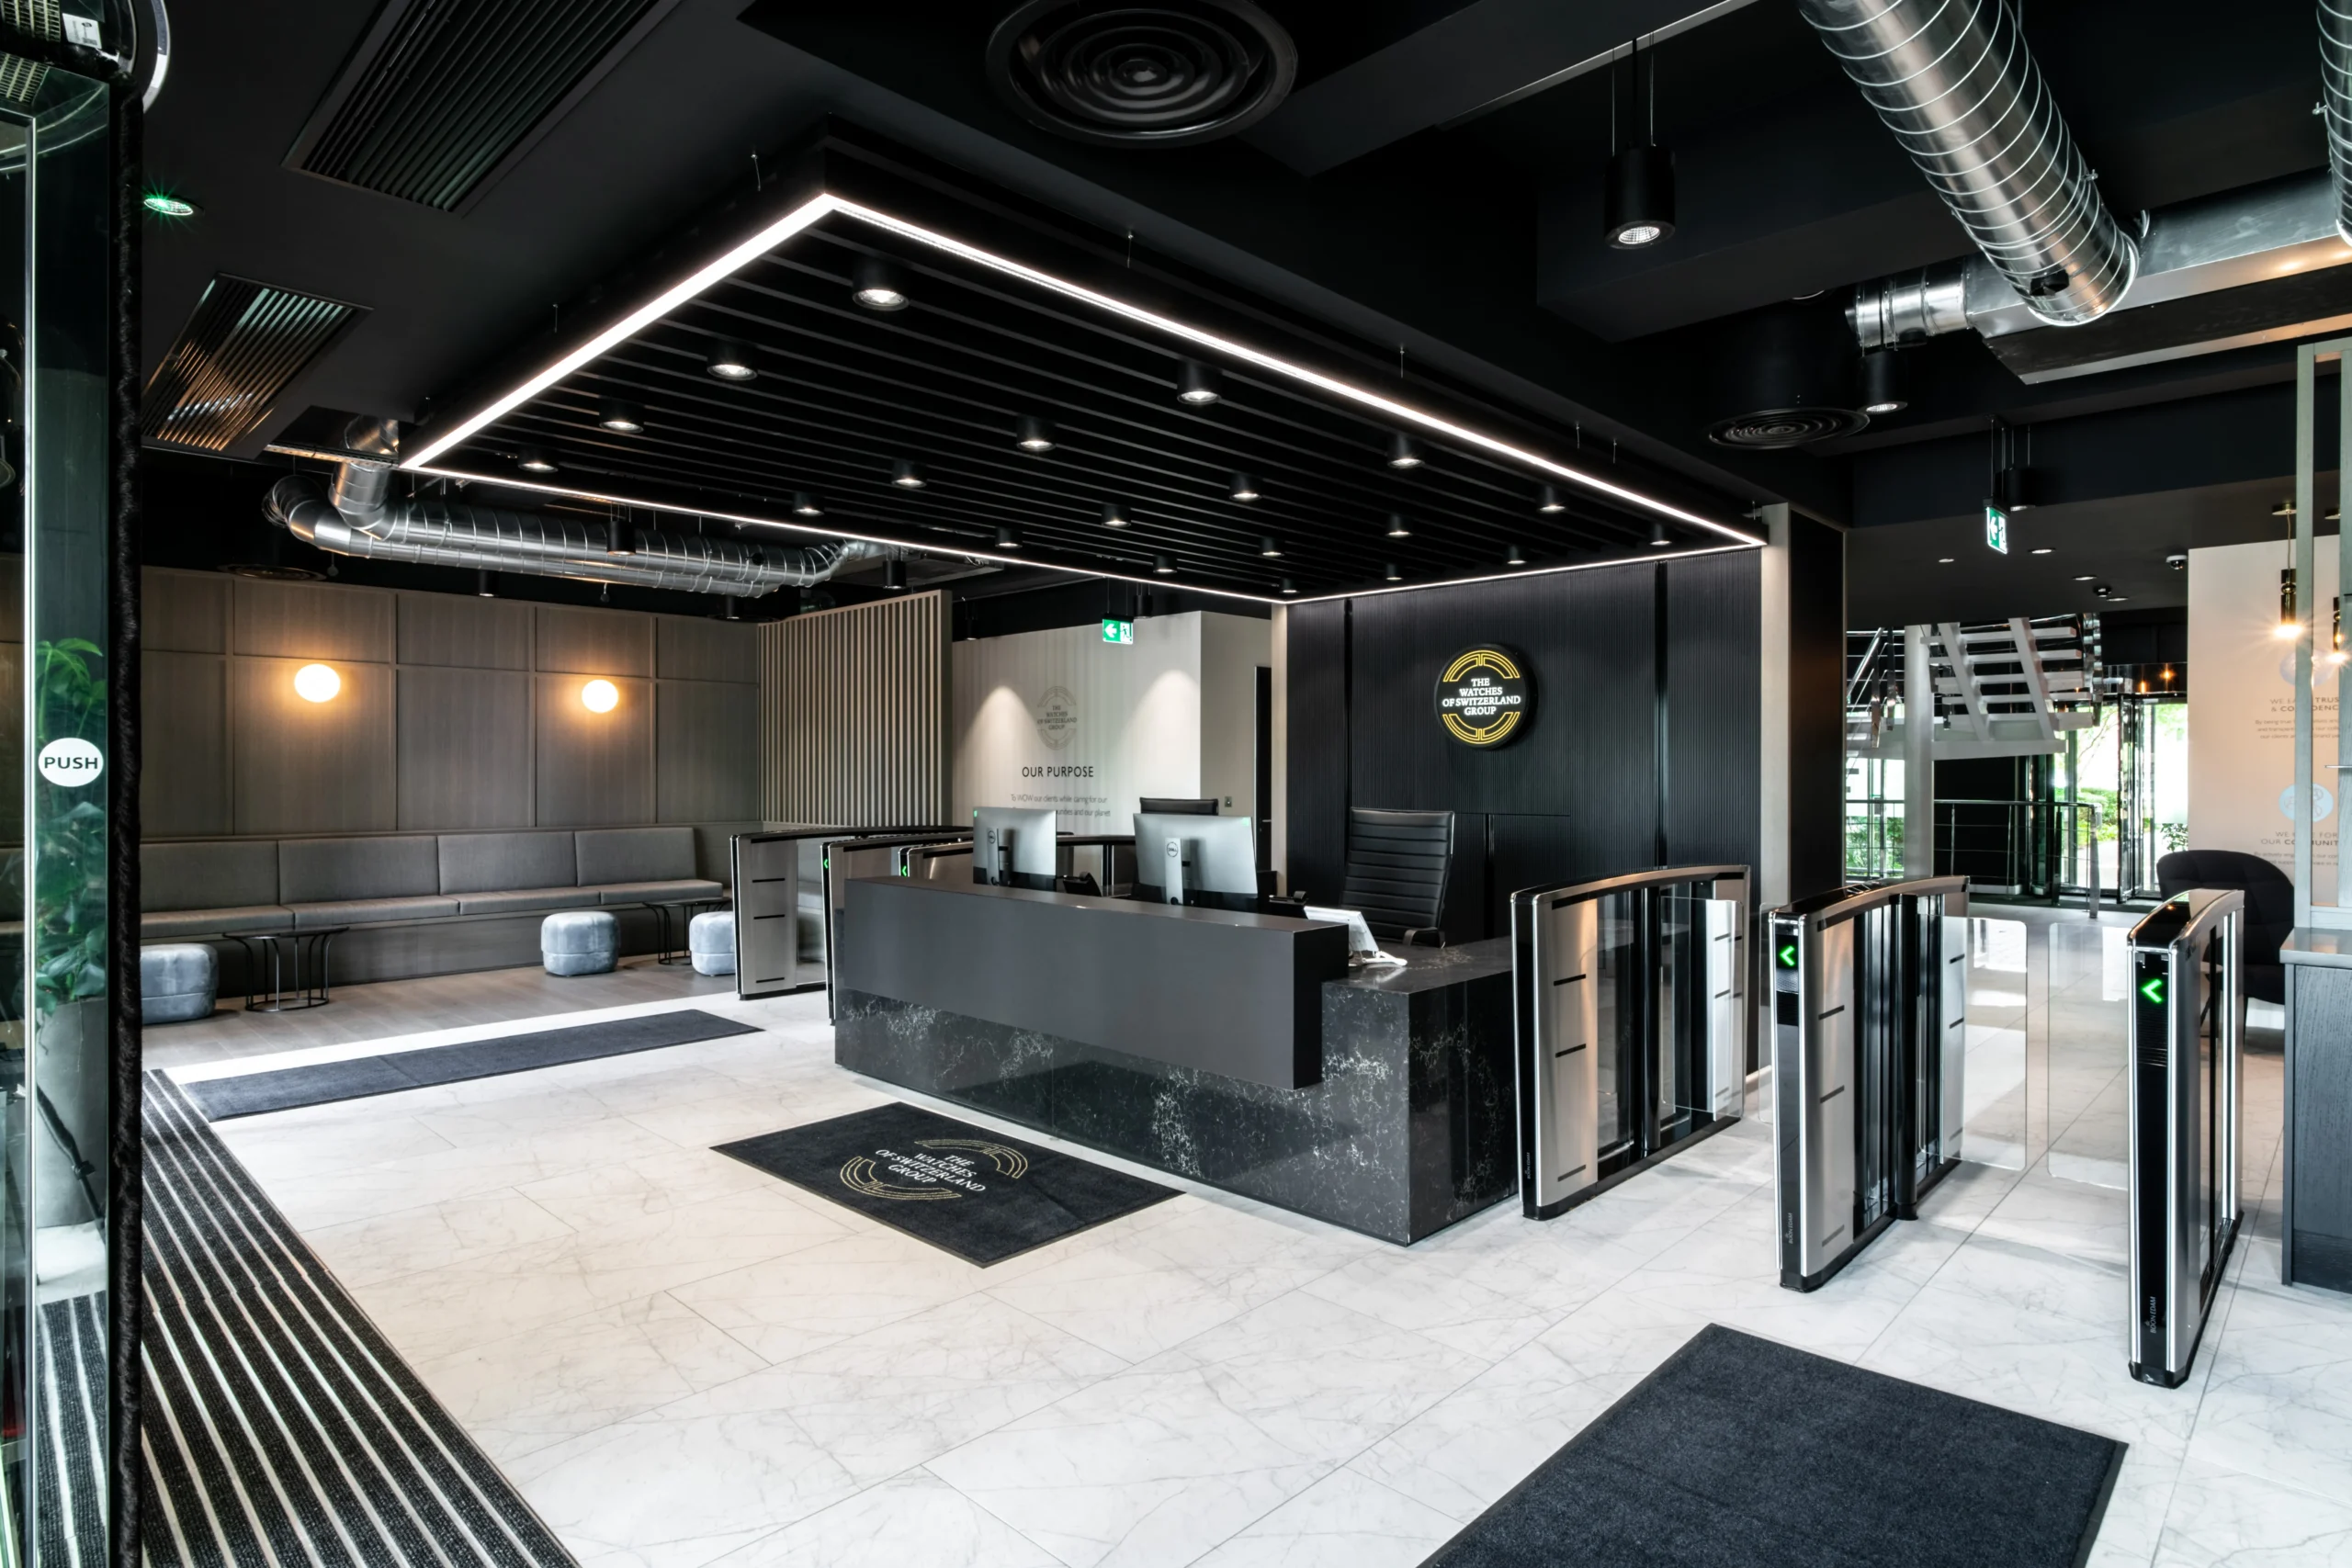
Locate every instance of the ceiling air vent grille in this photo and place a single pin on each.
(244, 343)
(442, 94)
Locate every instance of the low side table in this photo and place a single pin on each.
(684, 910)
(310, 952)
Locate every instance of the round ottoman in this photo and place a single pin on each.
(711, 939)
(580, 941)
(176, 981)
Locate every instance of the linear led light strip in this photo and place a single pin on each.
(507, 482)
(819, 207)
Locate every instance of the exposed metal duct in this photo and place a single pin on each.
(357, 520)
(1954, 81)
(2335, 77)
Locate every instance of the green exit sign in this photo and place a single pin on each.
(1997, 528)
(1120, 631)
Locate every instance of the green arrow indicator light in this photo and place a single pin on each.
(1788, 955)
(2153, 988)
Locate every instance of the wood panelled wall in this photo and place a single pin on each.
(455, 712)
(854, 706)
(1643, 750)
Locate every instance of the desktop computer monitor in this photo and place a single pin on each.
(1155, 806)
(1217, 863)
(1012, 848)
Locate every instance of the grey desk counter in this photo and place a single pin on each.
(1051, 1018)
(2315, 1220)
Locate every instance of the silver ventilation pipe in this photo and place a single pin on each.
(356, 519)
(1954, 81)
(2335, 78)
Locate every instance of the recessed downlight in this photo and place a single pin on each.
(1199, 383)
(2042, 551)
(535, 460)
(1943, 560)
(620, 416)
(877, 283)
(730, 360)
(806, 504)
(1114, 514)
(1241, 487)
(1398, 528)
(1034, 434)
(1270, 547)
(1404, 452)
(1548, 501)
(907, 474)
(2087, 577)
(1163, 566)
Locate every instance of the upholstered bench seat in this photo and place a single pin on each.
(369, 911)
(215, 923)
(641, 892)
(522, 901)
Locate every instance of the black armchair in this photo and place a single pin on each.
(1398, 863)
(2270, 906)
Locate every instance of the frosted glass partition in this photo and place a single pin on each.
(2322, 676)
(2000, 1124)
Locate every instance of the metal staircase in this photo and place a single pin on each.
(2003, 688)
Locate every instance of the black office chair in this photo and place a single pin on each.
(1397, 863)
(1177, 808)
(2270, 906)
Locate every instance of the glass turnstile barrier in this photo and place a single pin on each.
(1631, 1023)
(2188, 1023)
(1870, 1014)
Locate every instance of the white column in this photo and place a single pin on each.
(1918, 756)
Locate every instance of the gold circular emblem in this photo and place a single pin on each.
(1484, 697)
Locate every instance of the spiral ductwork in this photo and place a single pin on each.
(2335, 78)
(357, 520)
(1955, 83)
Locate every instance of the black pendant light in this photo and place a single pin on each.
(1637, 204)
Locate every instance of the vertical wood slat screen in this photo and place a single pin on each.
(854, 715)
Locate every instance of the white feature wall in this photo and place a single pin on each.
(2242, 710)
(1061, 719)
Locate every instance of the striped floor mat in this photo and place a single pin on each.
(280, 1428)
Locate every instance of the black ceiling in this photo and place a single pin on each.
(1387, 200)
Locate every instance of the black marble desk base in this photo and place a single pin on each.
(1412, 1127)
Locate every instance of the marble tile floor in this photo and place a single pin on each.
(682, 1362)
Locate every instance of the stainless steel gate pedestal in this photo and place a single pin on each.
(1870, 1015)
(2188, 1024)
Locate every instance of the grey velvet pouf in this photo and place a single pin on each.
(177, 981)
(580, 941)
(711, 941)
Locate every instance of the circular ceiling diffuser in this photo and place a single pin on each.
(1163, 74)
(1769, 428)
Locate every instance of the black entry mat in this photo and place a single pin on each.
(1741, 1453)
(961, 1188)
(287, 1087)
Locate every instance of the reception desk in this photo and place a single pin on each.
(1236, 1050)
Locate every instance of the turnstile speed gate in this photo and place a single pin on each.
(1869, 1012)
(1630, 997)
(2188, 1022)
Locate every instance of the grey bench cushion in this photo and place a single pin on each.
(313, 871)
(495, 862)
(608, 855)
(638, 892)
(521, 899)
(368, 911)
(212, 922)
(207, 875)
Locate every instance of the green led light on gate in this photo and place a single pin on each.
(1788, 955)
(2153, 988)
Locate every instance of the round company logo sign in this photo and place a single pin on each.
(1486, 695)
(935, 1170)
(70, 762)
(1056, 716)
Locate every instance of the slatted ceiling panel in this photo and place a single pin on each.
(441, 93)
(854, 714)
(243, 345)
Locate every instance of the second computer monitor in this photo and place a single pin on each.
(1216, 858)
(1014, 848)
(1154, 806)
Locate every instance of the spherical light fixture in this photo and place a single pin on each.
(600, 696)
(317, 683)
(1199, 384)
(534, 460)
(1034, 434)
(621, 416)
(806, 504)
(907, 474)
(1548, 501)
(1114, 514)
(1163, 566)
(1241, 487)
(730, 360)
(1270, 547)
(1404, 452)
(1398, 527)
(1008, 537)
(1883, 383)
(877, 284)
